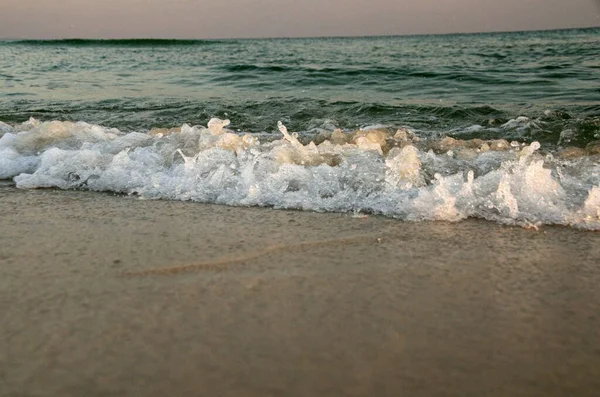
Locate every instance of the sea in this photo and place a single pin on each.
(498, 126)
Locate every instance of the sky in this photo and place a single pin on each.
(199, 19)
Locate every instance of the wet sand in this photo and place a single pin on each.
(114, 296)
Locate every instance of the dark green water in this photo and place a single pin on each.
(435, 84)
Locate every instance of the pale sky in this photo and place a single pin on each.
(284, 18)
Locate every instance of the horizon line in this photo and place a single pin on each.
(66, 38)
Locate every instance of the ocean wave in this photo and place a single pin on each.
(116, 42)
(372, 170)
(548, 126)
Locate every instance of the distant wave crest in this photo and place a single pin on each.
(116, 42)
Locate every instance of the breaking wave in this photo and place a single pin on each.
(375, 170)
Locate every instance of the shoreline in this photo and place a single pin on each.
(108, 295)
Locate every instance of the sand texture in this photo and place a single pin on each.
(113, 296)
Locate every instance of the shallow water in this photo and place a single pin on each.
(524, 109)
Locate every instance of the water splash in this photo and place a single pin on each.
(371, 170)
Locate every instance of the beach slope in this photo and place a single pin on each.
(105, 295)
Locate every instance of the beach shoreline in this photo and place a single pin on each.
(112, 295)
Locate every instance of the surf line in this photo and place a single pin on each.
(222, 263)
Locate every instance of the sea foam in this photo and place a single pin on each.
(365, 171)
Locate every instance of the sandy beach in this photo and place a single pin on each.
(105, 295)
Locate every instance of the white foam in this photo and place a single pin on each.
(5, 128)
(367, 171)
